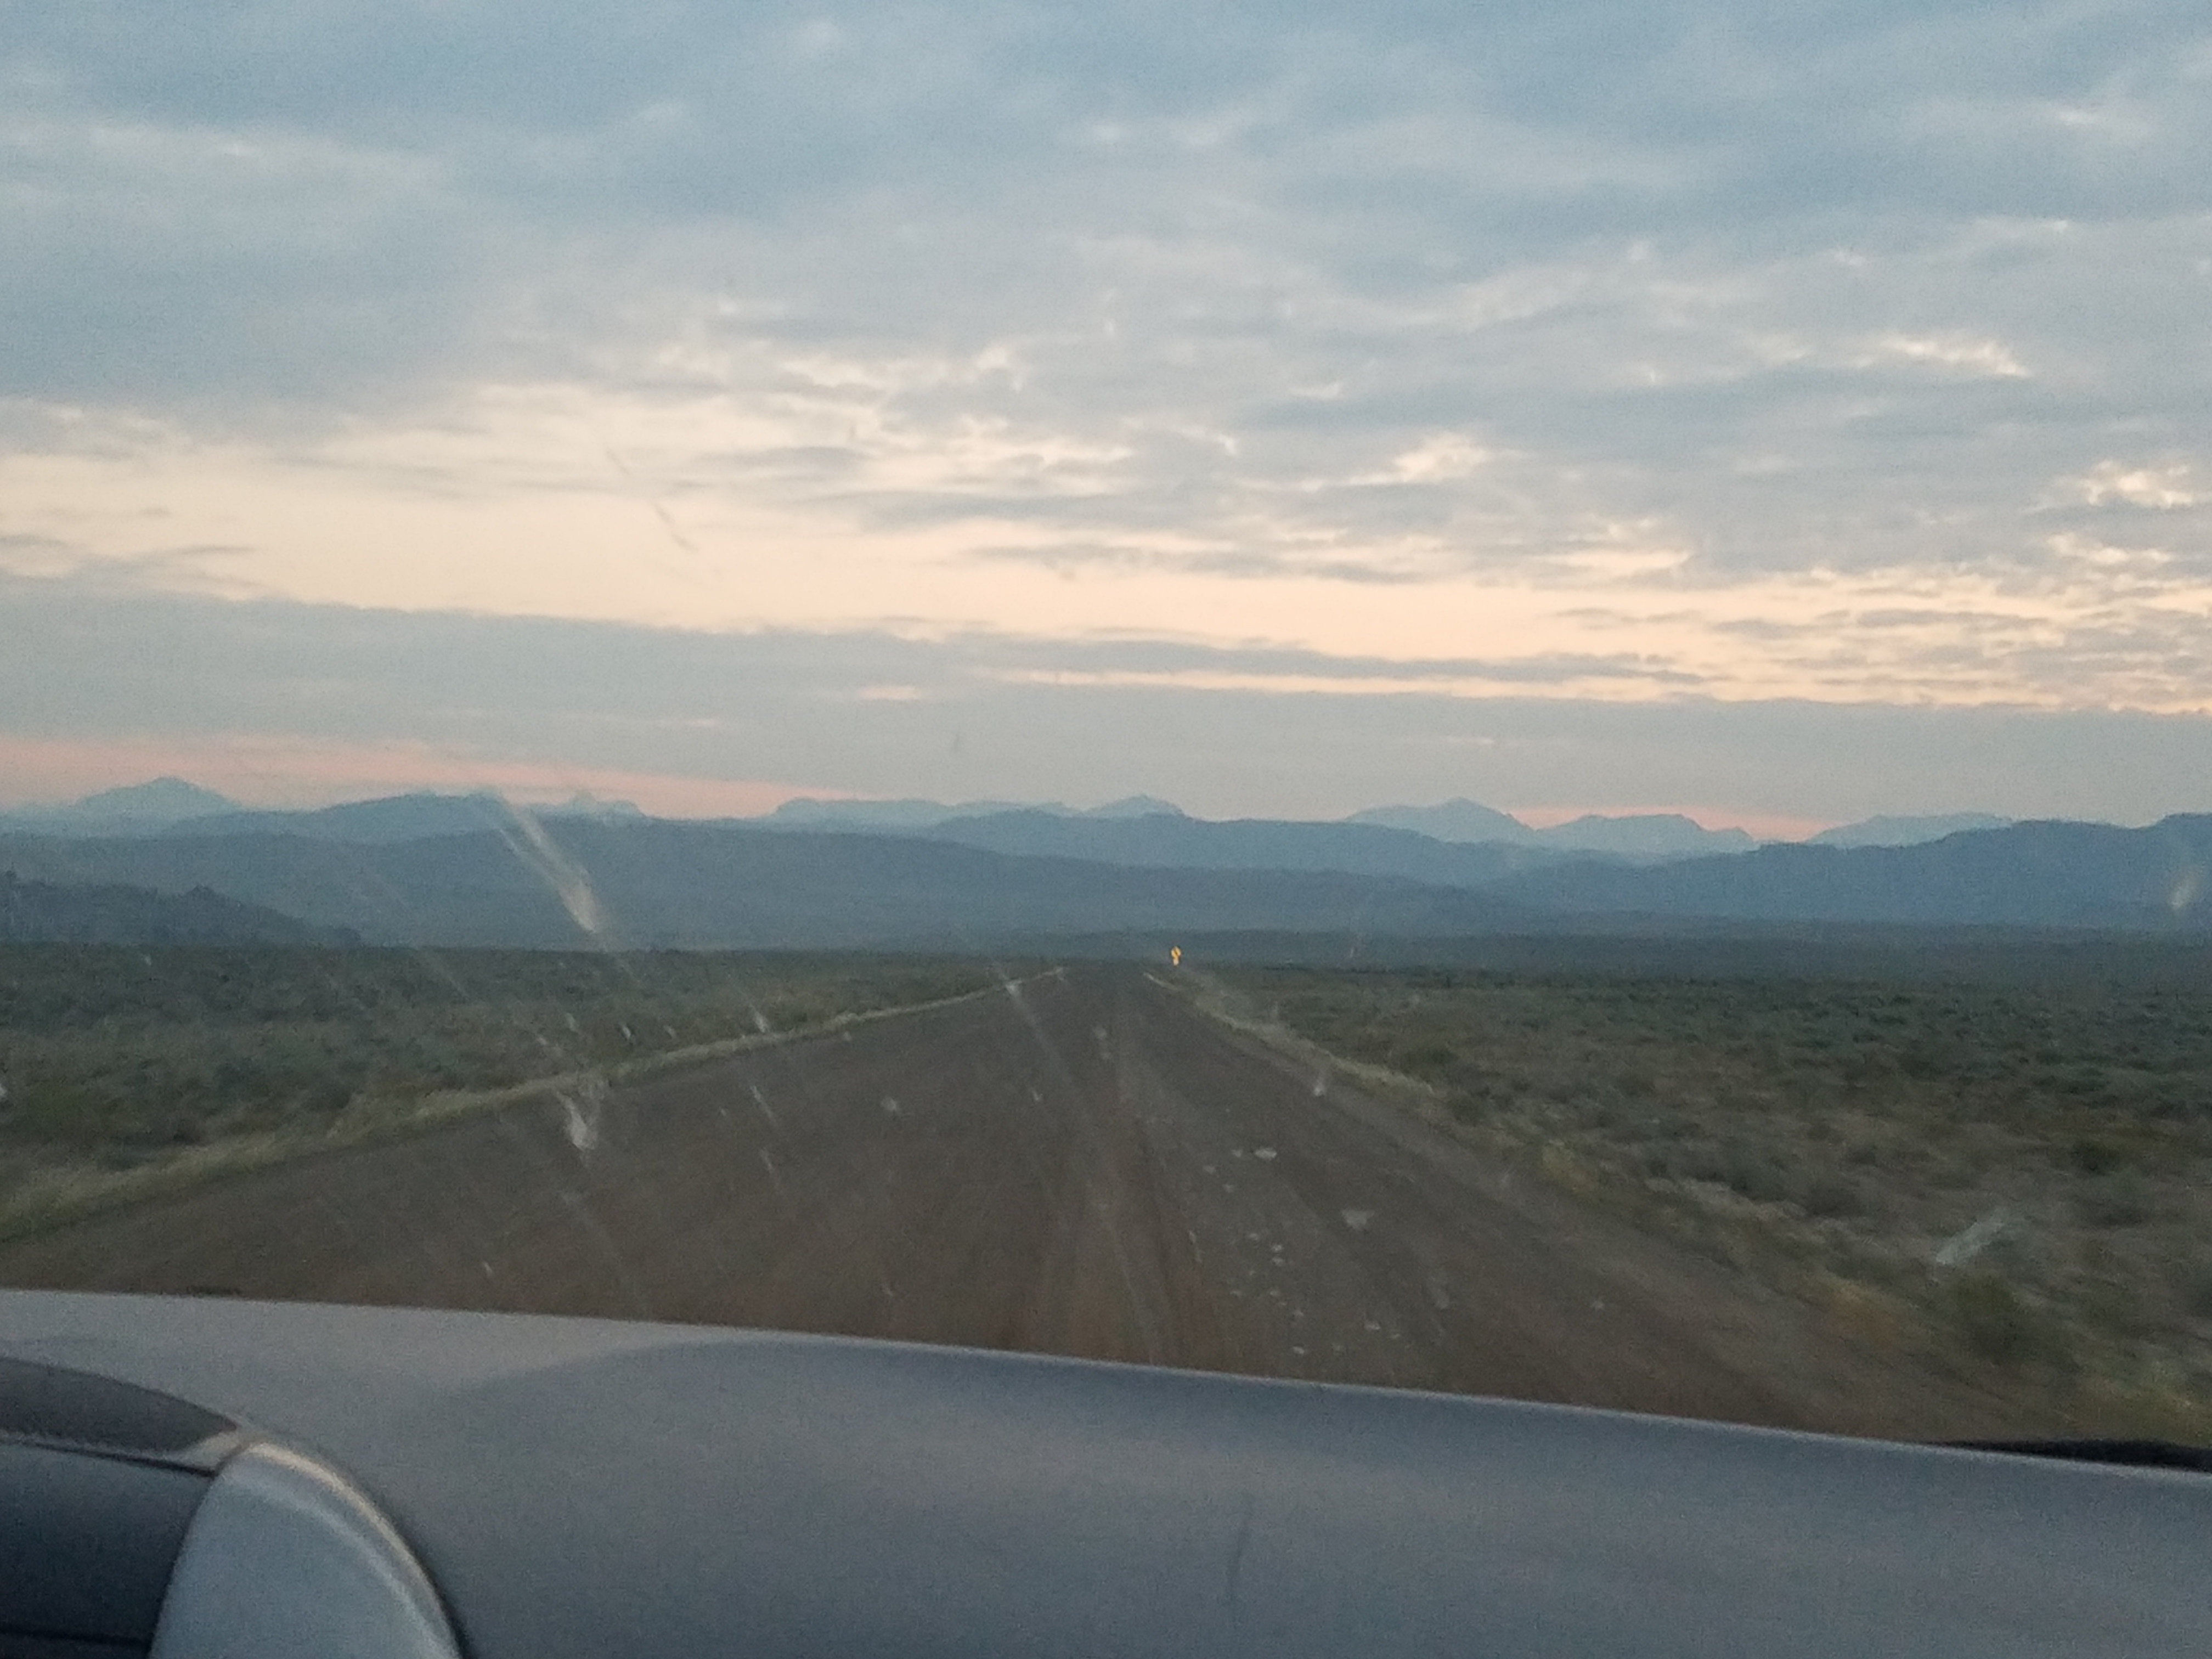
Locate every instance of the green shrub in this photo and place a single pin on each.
(2094, 1155)
(1756, 1174)
(1424, 1057)
(2114, 1200)
(2196, 1290)
(1996, 1324)
(1828, 1195)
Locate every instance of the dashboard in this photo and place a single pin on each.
(185, 1476)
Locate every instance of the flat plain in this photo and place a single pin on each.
(1082, 1161)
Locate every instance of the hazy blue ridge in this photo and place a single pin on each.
(2044, 873)
(393, 818)
(168, 806)
(1161, 841)
(400, 817)
(660, 883)
(466, 870)
(1456, 820)
(39, 912)
(135, 809)
(486, 895)
(1907, 831)
(806, 812)
(1456, 850)
(1644, 837)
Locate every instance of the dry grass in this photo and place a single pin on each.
(2010, 1182)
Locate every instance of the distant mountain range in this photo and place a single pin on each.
(2045, 874)
(472, 869)
(1066, 831)
(403, 818)
(805, 812)
(170, 805)
(1638, 835)
(135, 809)
(1906, 832)
(582, 881)
(38, 912)
(1459, 819)
(166, 804)
(1171, 840)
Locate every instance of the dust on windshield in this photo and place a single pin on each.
(1510, 703)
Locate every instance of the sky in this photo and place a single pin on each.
(1781, 413)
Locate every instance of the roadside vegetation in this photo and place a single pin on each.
(2012, 1182)
(122, 1070)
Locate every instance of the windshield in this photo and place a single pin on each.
(1508, 700)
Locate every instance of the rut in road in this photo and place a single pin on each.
(1079, 1165)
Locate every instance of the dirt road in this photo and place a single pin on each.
(1083, 1167)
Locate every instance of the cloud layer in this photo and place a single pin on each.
(298, 704)
(1842, 354)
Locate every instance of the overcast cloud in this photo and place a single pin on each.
(333, 701)
(1381, 368)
